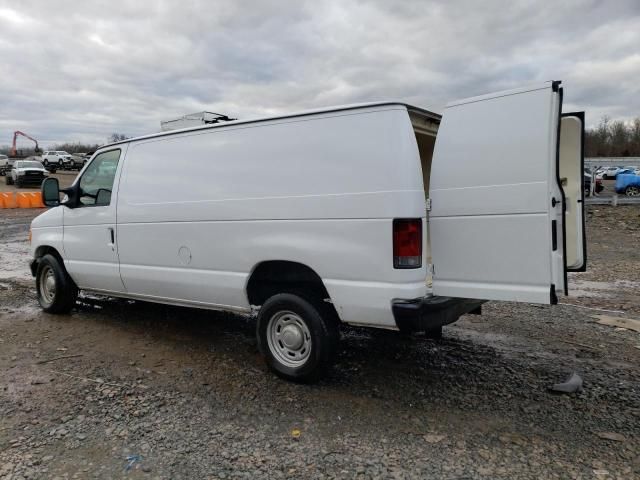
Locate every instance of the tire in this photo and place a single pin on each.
(311, 330)
(45, 162)
(57, 292)
(18, 184)
(632, 191)
(8, 180)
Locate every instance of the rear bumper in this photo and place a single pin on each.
(421, 314)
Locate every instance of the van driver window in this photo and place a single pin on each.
(97, 180)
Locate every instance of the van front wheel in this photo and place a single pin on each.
(298, 337)
(57, 292)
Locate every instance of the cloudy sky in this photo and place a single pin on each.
(81, 70)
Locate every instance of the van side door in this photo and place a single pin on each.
(501, 200)
(89, 235)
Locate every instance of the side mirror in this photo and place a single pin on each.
(103, 197)
(50, 192)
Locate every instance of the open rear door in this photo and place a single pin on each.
(497, 219)
(571, 168)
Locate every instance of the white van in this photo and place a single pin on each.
(381, 215)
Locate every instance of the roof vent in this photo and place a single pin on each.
(194, 120)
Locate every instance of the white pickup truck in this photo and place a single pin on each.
(381, 215)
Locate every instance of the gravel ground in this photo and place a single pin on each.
(181, 393)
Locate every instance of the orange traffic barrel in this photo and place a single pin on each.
(36, 200)
(8, 200)
(23, 199)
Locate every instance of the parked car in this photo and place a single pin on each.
(319, 218)
(5, 166)
(57, 158)
(610, 173)
(628, 184)
(78, 160)
(599, 186)
(26, 172)
(588, 179)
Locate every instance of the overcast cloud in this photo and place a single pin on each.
(80, 70)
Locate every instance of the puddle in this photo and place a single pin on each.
(14, 261)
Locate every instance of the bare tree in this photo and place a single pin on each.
(116, 137)
(613, 139)
(75, 147)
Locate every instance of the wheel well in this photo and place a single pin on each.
(41, 252)
(278, 276)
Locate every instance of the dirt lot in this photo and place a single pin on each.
(181, 393)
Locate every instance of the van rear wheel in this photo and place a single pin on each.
(297, 336)
(57, 292)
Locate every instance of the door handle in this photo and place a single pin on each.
(112, 237)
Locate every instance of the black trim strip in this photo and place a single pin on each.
(554, 235)
(580, 116)
(564, 198)
(553, 298)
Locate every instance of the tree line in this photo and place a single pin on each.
(613, 139)
(69, 147)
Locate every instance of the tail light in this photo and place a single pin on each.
(407, 243)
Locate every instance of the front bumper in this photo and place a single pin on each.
(427, 313)
(36, 179)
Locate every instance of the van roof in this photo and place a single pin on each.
(339, 108)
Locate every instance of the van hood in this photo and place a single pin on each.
(50, 218)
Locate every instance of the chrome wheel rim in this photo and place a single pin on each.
(289, 338)
(633, 191)
(47, 285)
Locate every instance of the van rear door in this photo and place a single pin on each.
(499, 211)
(571, 166)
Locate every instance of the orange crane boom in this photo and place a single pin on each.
(13, 152)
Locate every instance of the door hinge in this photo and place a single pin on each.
(428, 204)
